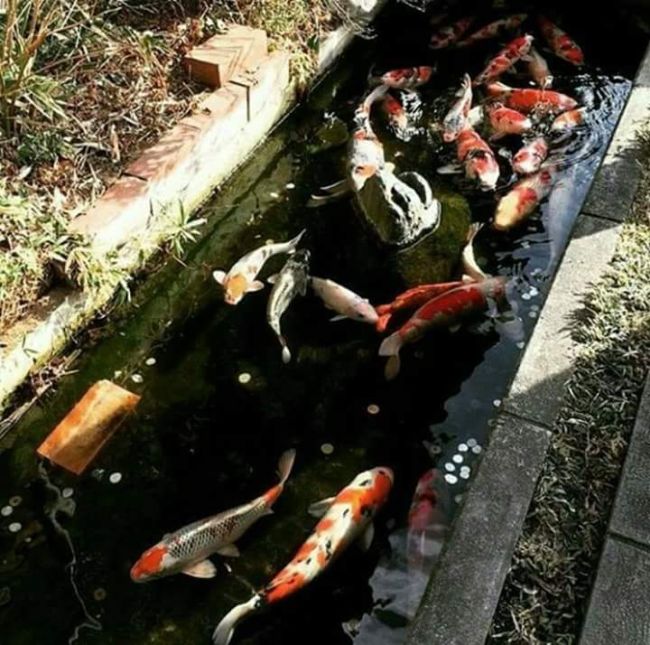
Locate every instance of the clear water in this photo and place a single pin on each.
(201, 441)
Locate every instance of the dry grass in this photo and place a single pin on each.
(546, 592)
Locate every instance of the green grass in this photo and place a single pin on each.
(546, 592)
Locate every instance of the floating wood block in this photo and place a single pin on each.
(219, 58)
(75, 442)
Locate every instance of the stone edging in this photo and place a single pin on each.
(465, 587)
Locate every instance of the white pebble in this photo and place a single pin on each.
(6, 511)
(521, 344)
(290, 186)
(14, 527)
(373, 408)
(327, 448)
(451, 479)
(458, 499)
(464, 474)
(532, 314)
(450, 467)
(244, 378)
(117, 373)
(269, 241)
(472, 442)
(462, 447)
(274, 195)
(115, 478)
(534, 291)
(457, 459)
(525, 245)
(67, 492)
(150, 361)
(477, 450)
(534, 308)
(136, 378)
(496, 403)
(525, 296)
(15, 500)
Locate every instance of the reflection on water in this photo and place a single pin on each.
(218, 404)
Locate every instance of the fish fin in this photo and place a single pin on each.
(390, 346)
(389, 166)
(367, 537)
(203, 569)
(383, 309)
(449, 169)
(383, 321)
(338, 187)
(286, 354)
(219, 276)
(272, 279)
(285, 464)
(454, 328)
(294, 241)
(473, 230)
(318, 509)
(467, 279)
(496, 136)
(229, 551)
(256, 285)
(392, 367)
(464, 84)
(338, 317)
(222, 635)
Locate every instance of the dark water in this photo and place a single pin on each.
(201, 441)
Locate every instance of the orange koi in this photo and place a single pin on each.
(561, 43)
(505, 59)
(522, 200)
(394, 111)
(478, 159)
(569, 120)
(494, 29)
(504, 121)
(407, 78)
(530, 157)
(538, 69)
(348, 516)
(450, 34)
(529, 99)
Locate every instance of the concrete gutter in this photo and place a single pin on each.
(175, 176)
(463, 592)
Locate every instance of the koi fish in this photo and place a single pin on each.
(456, 119)
(412, 299)
(538, 69)
(394, 111)
(347, 517)
(505, 121)
(346, 303)
(471, 269)
(522, 199)
(446, 310)
(528, 99)
(291, 281)
(242, 277)
(494, 29)
(188, 549)
(478, 159)
(450, 34)
(561, 43)
(505, 59)
(530, 157)
(568, 121)
(406, 78)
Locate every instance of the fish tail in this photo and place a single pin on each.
(383, 321)
(392, 367)
(225, 629)
(374, 96)
(286, 352)
(464, 85)
(391, 345)
(285, 465)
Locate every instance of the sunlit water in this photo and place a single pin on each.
(219, 406)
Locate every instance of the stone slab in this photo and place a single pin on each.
(643, 74)
(615, 185)
(465, 587)
(619, 608)
(631, 516)
(538, 387)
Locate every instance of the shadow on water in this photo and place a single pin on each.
(202, 441)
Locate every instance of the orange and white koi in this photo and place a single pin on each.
(406, 78)
(494, 29)
(242, 277)
(522, 200)
(343, 301)
(561, 43)
(568, 121)
(450, 34)
(530, 157)
(538, 69)
(411, 299)
(478, 159)
(348, 517)
(456, 119)
(529, 99)
(447, 310)
(396, 114)
(505, 121)
(505, 59)
(188, 549)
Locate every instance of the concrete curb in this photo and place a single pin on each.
(154, 196)
(463, 590)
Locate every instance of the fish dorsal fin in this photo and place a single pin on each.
(203, 569)
(318, 509)
(272, 279)
(367, 537)
(256, 285)
(219, 276)
(229, 551)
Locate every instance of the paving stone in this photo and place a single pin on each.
(643, 75)
(616, 182)
(538, 387)
(630, 517)
(619, 608)
(465, 587)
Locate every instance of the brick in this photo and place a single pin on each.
(77, 440)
